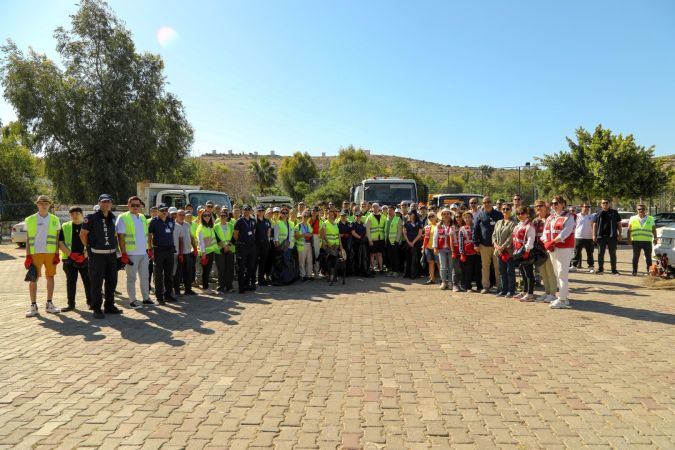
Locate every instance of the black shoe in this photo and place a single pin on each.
(600, 272)
(190, 292)
(72, 307)
(634, 274)
(161, 301)
(615, 272)
(99, 314)
(242, 291)
(148, 302)
(252, 287)
(135, 305)
(169, 298)
(113, 310)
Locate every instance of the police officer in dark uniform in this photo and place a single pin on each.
(263, 235)
(345, 229)
(360, 264)
(160, 235)
(244, 237)
(100, 238)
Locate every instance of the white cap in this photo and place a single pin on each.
(276, 209)
(397, 210)
(173, 210)
(454, 206)
(376, 204)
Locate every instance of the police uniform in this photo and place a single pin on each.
(262, 248)
(246, 256)
(102, 249)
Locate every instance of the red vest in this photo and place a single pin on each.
(443, 236)
(554, 226)
(467, 238)
(520, 235)
(455, 239)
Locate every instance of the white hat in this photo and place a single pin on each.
(454, 206)
(376, 204)
(397, 210)
(276, 209)
(173, 210)
(446, 210)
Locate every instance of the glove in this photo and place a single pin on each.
(124, 258)
(181, 259)
(81, 259)
(150, 253)
(550, 246)
(454, 254)
(74, 256)
(526, 254)
(194, 253)
(28, 262)
(462, 258)
(56, 259)
(504, 256)
(204, 261)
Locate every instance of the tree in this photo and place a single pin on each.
(603, 164)
(264, 174)
(19, 170)
(351, 166)
(296, 168)
(104, 120)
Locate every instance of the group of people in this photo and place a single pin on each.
(466, 245)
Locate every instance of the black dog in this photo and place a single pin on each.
(335, 265)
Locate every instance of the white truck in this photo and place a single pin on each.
(179, 195)
(388, 191)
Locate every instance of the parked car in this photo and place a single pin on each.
(665, 243)
(18, 234)
(664, 219)
(625, 218)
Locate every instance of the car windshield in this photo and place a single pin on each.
(389, 193)
(626, 214)
(200, 198)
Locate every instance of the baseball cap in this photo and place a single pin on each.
(453, 206)
(397, 211)
(105, 198)
(247, 206)
(162, 206)
(376, 204)
(173, 210)
(276, 209)
(344, 212)
(209, 203)
(260, 208)
(358, 214)
(42, 198)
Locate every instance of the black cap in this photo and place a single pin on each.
(358, 214)
(260, 208)
(344, 212)
(105, 198)
(162, 206)
(245, 207)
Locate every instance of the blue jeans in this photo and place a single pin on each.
(445, 257)
(507, 275)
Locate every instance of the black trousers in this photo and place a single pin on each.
(163, 261)
(103, 269)
(206, 270)
(412, 269)
(225, 265)
(607, 243)
(527, 272)
(393, 251)
(184, 273)
(646, 247)
(471, 271)
(262, 252)
(246, 260)
(72, 273)
(579, 246)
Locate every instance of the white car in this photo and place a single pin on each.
(18, 234)
(625, 218)
(665, 244)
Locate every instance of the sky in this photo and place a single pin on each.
(461, 83)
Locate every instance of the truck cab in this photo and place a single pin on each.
(387, 191)
(178, 195)
(443, 200)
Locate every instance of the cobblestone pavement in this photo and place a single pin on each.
(374, 364)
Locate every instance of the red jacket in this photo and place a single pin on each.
(555, 225)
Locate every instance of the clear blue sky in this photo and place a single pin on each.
(468, 83)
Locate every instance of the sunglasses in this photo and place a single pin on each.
(206, 215)
(135, 205)
(473, 203)
(284, 212)
(516, 199)
(554, 203)
(506, 209)
(486, 203)
(604, 203)
(641, 209)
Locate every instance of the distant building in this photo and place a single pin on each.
(323, 154)
(272, 153)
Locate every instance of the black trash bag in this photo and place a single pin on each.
(31, 274)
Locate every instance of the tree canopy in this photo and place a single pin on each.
(18, 168)
(102, 119)
(295, 169)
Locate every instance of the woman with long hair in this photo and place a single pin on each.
(524, 235)
(548, 278)
(502, 241)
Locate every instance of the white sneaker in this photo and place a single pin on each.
(50, 308)
(32, 310)
(573, 269)
(483, 291)
(560, 304)
(443, 286)
(591, 270)
(455, 289)
(543, 298)
(551, 298)
(519, 296)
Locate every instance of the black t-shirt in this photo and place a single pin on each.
(76, 244)
(246, 229)
(261, 227)
(102, 234)
(162, 232)
(345, 228)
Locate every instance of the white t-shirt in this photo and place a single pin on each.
(40, 245)
(139, 234)
(186, 231)
(584, 226)
(177, 232)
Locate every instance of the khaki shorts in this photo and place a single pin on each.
(44, 259)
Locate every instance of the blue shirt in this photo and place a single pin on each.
(412, 229)
(345, 228)
(484, 225)
(360, 228)
(247, 230)
(261, 227)
(162, 232)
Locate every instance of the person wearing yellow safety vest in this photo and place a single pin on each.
(393, 235)
(192, 224)
(132, 237)
(330, 236)
(208, 246)
(74, 257)
(225, 259)
(303, 243)
(641, 234)
(284, 271)
(42, 230)
(375, 223)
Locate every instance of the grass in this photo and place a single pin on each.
(658, 283)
